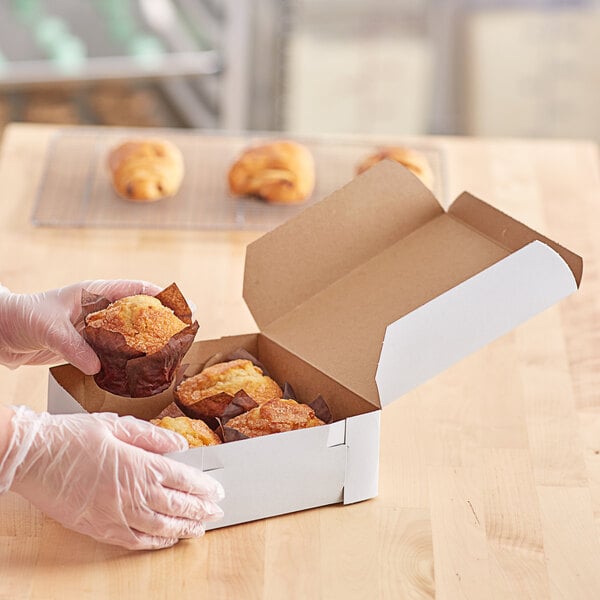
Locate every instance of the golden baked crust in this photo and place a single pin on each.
(275, 416)
(229, 378)
(196, 432)
(146, 170)
(145, 323)
(411, 159)
(280, 171)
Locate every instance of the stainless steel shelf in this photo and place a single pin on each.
(180, 64)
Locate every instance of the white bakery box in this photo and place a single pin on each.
(360, 298)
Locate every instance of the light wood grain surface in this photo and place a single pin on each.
(490, 473)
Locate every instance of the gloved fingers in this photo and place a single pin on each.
(119, 288)
(164, 526)
(174, 503)
(39, 357)
(147, 436)
(138, 540)
(178, 476)
(152, 542)
(12, 359)
(64, 340)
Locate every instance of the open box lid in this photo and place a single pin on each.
(381, 289)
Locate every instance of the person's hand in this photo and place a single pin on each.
(38, 329)
(104, 476)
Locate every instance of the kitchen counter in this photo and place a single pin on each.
(490, 472)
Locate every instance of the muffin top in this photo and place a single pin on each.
(275, 416)
(228, 377)
(145, 323)
(196, 432)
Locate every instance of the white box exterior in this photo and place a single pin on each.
(281, 473)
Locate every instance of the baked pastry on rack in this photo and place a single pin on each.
(275, 416)
(146, 170)
(281, 171)
(411, 159)
(196, 432)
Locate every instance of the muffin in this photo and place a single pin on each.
(224, 390)
(229, 378)
(280, 171)
(146, 170)
(411, 159)
(140, 340)
(196, 432)
(145, 323)
(275, 416)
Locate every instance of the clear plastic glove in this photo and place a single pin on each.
(38, 329)
(102, 475)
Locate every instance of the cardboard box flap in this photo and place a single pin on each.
(338, 320)
(356, 222)
(507, 231)
(436, 335)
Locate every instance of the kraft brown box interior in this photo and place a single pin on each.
(359, 298)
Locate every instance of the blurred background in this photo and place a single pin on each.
(473, 67)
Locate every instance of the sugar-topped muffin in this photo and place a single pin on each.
(140, 340)
(145, 323)
(228, 378)
(275, 416)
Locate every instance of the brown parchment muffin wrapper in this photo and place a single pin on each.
(171, 410)
(219, 408)
(126, 371)
(228, 434)
(319, 406)
(240, 353)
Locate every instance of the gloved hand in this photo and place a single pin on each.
(37, 329)
(102, 475)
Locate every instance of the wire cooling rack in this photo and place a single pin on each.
(75, 189)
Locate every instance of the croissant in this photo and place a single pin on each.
(281, 171)
(146, 170)
(411, 159)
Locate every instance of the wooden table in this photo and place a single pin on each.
(490, 473)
